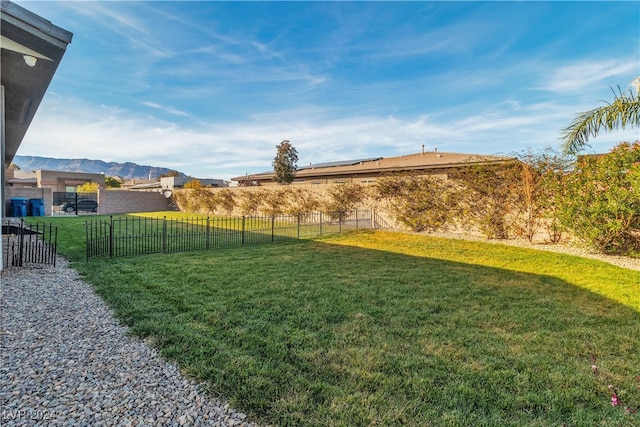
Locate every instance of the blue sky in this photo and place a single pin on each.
(210, 88)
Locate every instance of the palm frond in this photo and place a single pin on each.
(622, 113)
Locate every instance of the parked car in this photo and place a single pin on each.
(83, 205)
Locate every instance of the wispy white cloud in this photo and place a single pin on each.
(586, 74)
(169, 110)
(124, 20)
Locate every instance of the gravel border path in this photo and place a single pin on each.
(65, 361)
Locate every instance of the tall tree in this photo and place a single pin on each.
(623, 112)
(285, 163)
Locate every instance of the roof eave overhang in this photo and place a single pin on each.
(26, 34)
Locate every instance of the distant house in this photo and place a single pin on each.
(170, 183)
(67, 181)
(57, 181)
(19, 178)
(366, 171)
(176, 182)
(141, 185)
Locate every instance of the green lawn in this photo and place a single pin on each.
(387, 329)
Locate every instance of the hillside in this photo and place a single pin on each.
(126, 170)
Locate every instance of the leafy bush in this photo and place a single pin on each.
(184, 200)
(204, 200)
(88, 187)
(601, 200)
(273, 202)
(193, 184)
(492, 197)
(302, 201)
(344, 198)
(421, 203)
(541, 185)
(112, 182)
(251, 201)
(225, 201)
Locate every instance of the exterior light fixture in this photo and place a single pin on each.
(30, 60)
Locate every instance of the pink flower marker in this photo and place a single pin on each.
(614, 400)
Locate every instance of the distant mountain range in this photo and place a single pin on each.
(126, 170)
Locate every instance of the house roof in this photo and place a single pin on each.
(31, 50)
(23, 181)
(420, 161)
(148, 185)
(339, 163)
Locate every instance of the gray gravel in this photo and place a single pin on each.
(65, 361)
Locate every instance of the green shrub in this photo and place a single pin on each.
(492, 197)
(541, 185)
(193, 184)
(601, 200)
(302, 201)
(225, 201)
(419, 202)
(344, 198)
(251, 201)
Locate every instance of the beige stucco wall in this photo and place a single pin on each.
(123, 201)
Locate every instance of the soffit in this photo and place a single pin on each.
(25, 33)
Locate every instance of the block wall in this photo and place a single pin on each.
(29, 193)
(123, 201)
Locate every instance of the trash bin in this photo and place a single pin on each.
(37, 207)
(17, 206)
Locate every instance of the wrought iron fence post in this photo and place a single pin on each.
(356, 219)
(21, 242)
(243, 219)
(54, 247)
(273, 227)
(86, 239)
(206, 244)
(164, 234)
(340, 214)
(321, 223)
(298, 225)
(111, 238)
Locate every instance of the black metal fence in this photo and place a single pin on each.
(125, 236)
(26, 244)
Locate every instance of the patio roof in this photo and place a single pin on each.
(31, 50)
